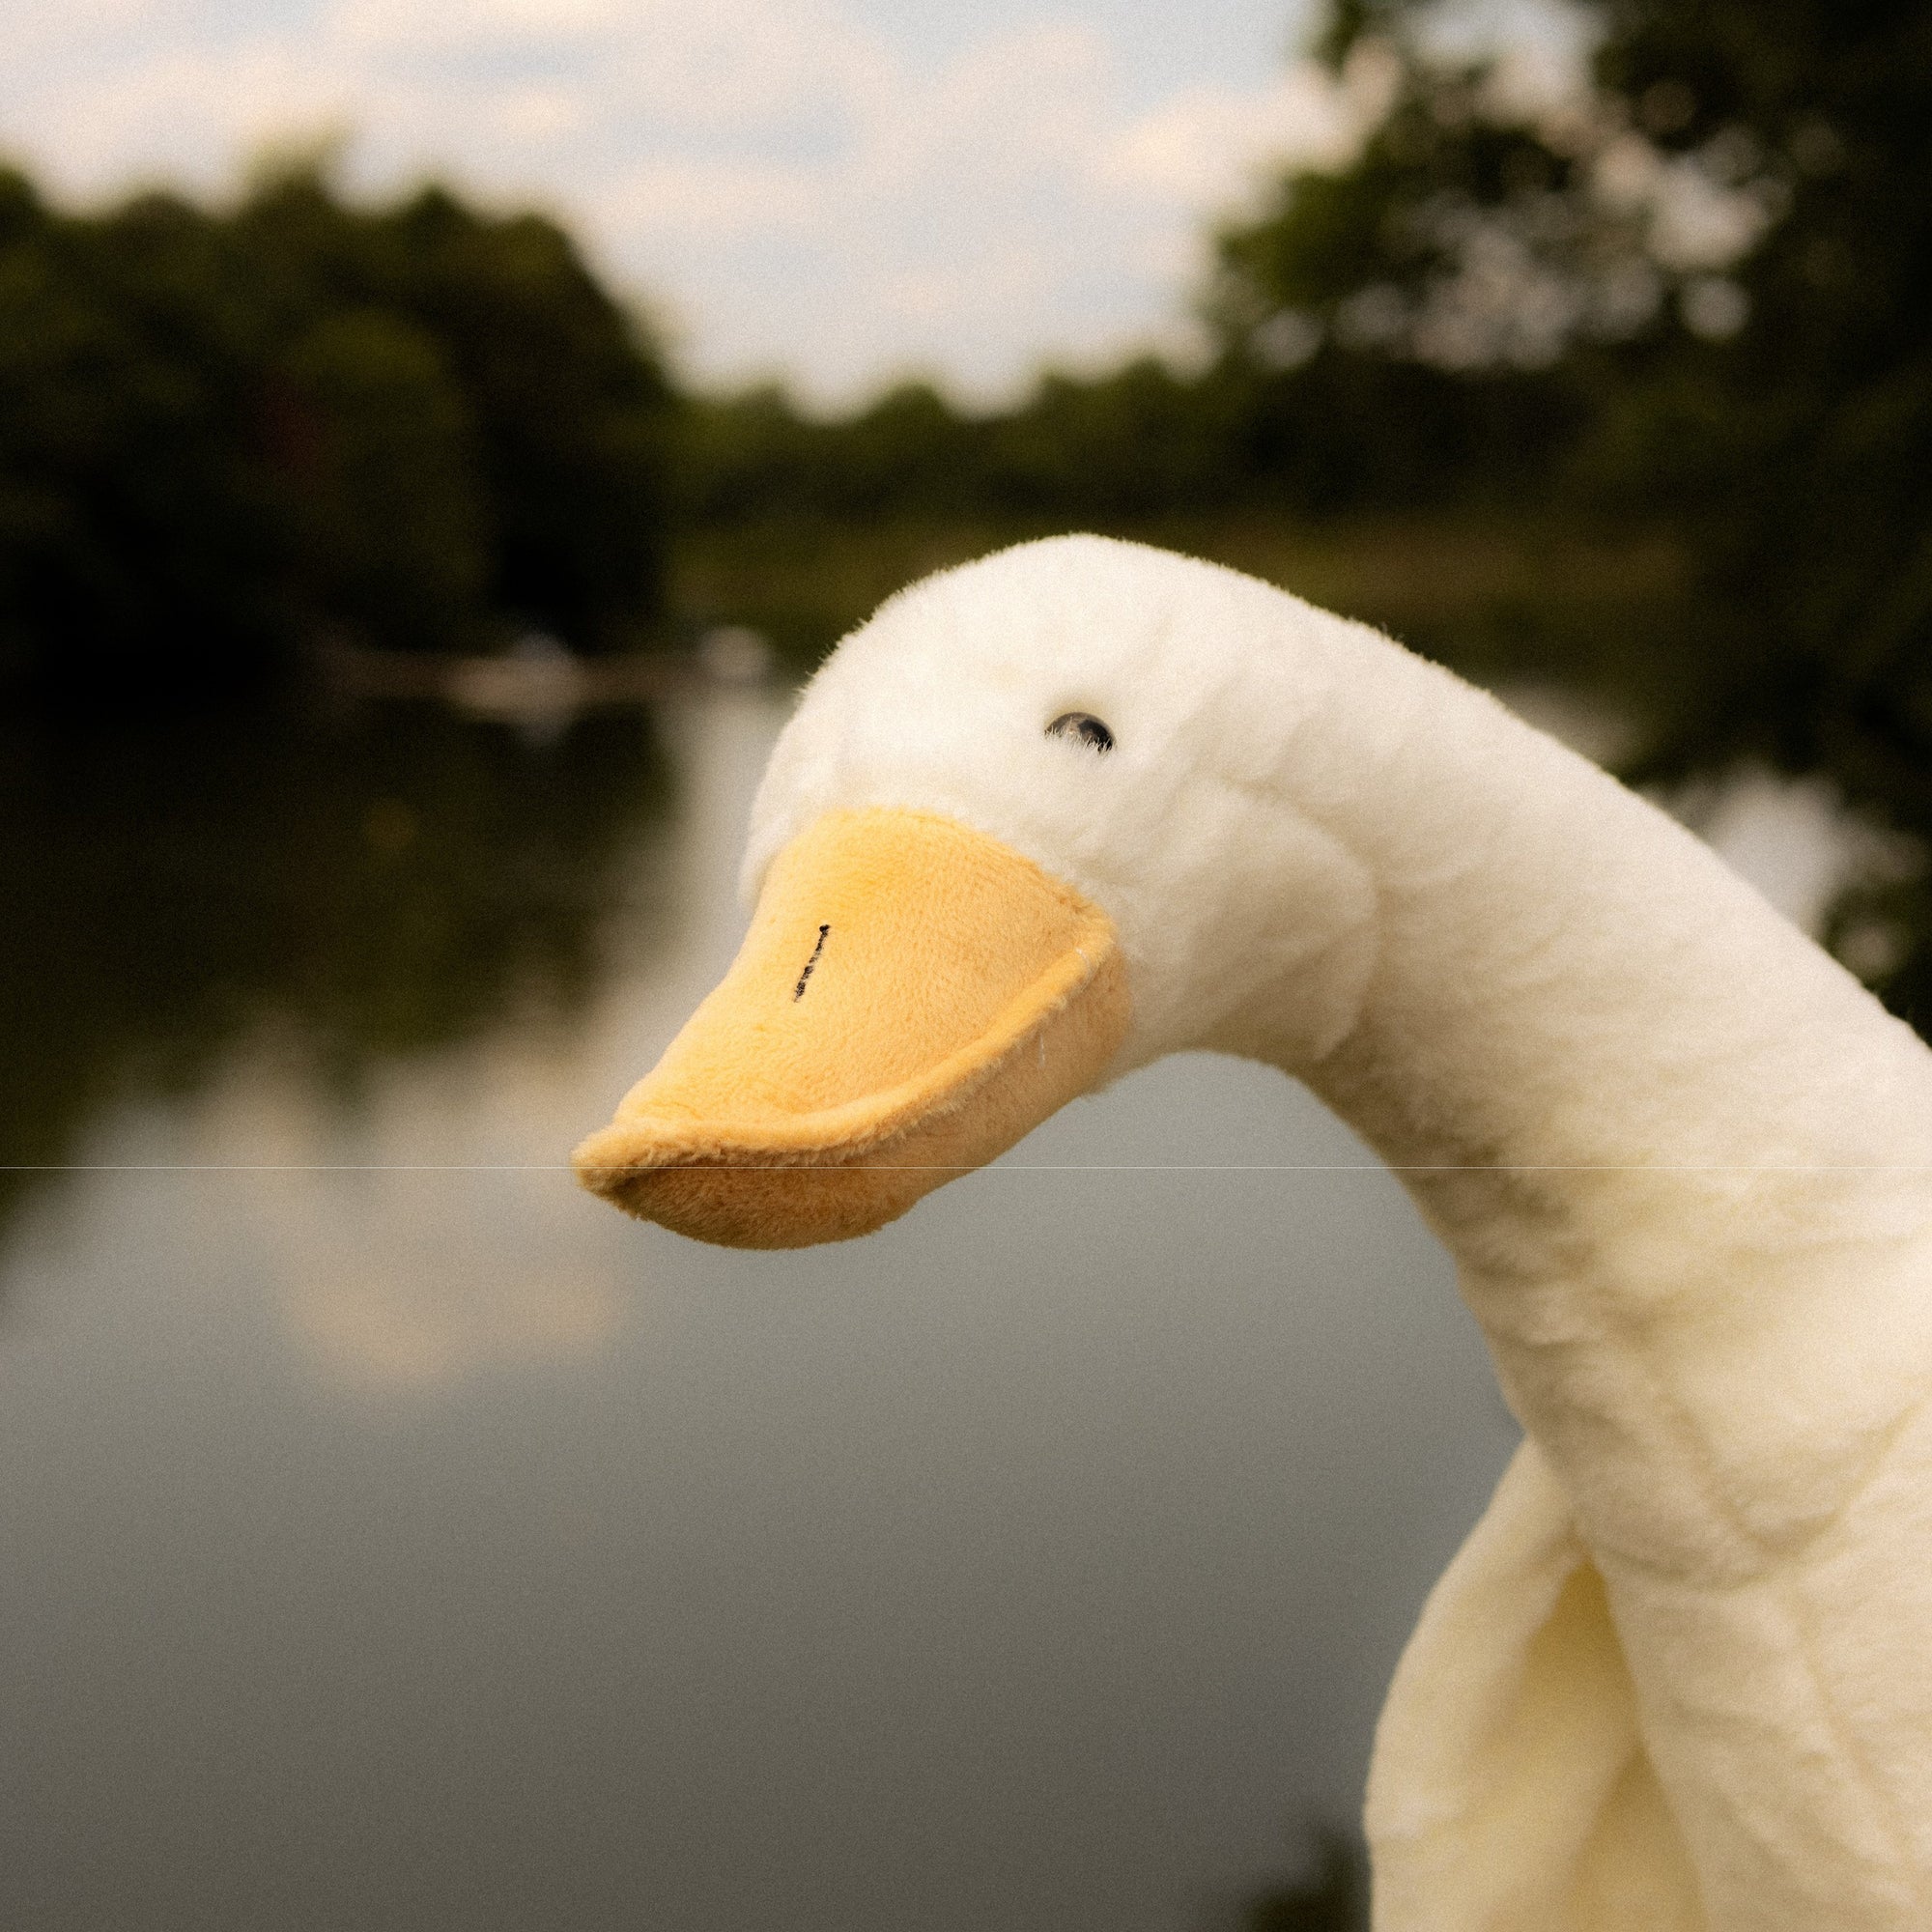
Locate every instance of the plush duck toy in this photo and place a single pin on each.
(1052, 815)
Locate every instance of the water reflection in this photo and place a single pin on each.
(370, 885)
(397, 1537)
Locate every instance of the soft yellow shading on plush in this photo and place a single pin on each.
(897, 962)
(1511, 1790)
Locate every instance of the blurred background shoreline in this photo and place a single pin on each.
(1580, 348)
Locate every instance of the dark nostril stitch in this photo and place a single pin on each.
(798, 991)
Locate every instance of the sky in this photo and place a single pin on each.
(840, 192)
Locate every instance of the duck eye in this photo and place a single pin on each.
(1082, 727)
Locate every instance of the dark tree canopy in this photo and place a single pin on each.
(221, 432)
(1710, 272)
(1721, 257)
(1689, 297)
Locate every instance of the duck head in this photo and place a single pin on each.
(1034, 825)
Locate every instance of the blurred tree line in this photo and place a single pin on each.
(1685, 289)
(1340, 432)
(1684, 295)
(225, 432)
(1713, 263)
(1690, 289)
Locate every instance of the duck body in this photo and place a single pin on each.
(1681, 1676)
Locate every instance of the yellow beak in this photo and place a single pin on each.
(912, 998)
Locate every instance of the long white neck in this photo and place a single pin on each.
(1683, 1160)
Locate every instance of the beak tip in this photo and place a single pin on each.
(735, 1203)
(967, 996)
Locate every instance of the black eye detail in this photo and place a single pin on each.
(1082, 727)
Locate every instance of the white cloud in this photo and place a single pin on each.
(1193, 148)
(715, 199)
(797, 189)
(403, 1328)
(538, 115)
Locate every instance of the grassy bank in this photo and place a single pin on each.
(1496, 598)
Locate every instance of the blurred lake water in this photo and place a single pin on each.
(396, 1537)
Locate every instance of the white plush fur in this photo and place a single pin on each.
(1681, 1674)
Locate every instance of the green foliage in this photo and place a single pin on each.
(1769, 397)
(135, 534)
(1346, 433)
(756, 457)
(385, 504)
(1810, 438)
(1778, 409)
(1135, 442)
(221, 432)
